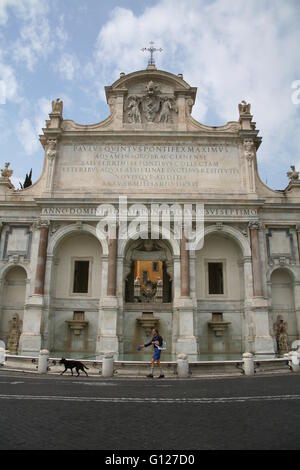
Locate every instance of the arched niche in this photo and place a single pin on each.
(283, 301)
(148, 255)
(76, 289)
(13, 298)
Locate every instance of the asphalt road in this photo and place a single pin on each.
(52, 412)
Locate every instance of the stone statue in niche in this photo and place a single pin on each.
(244, 108)
(14, 334)
(281, 335)
(134, 113)
(149, 291)
(168, 104)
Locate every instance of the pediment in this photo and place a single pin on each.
(151, 98)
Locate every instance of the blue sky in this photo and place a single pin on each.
(230, 49)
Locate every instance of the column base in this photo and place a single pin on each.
(106, 343)
(263, 345)
(186, 341)
(263, 342)
(30, 344)
(30, 339)
(107, 339)
(187, 345)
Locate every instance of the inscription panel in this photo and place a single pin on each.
(150, 168)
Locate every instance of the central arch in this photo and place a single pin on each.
(157, 308)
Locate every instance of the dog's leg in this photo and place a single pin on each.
(77, 370)
(63, 372)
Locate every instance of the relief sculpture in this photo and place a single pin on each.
(151, 107)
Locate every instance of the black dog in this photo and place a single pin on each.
(73, 365)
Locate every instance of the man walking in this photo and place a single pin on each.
(156, 342)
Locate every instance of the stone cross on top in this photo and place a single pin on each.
(151, 49)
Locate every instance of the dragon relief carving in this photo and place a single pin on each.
(151, 106)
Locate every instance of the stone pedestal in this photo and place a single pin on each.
(263, 342)
(30, 339)
(107, 339)
(186, 341)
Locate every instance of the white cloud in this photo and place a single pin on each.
(24, 9)
(16, 180)
(9, 84)
(68, 66)
(28, 137)
(29, 129)
(35, 40)
(61, 33)
(230, 50)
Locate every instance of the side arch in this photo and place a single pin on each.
(242, 241)
(73, 228)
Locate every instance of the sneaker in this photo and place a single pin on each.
(150, 376)
(161, 376)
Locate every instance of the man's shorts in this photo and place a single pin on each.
(156, 355)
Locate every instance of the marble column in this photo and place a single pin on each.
(256, 264)
(185, 268)
(297, 304)
(298, 236)
(107, 338)
(258, 318)
(112, 267)
(183, 306)
(41, 261)
(31, 338)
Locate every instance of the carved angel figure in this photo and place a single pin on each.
(57, 106)
(244, 108)
(166, 110)
(293, 175)
(6, 172)
(134, 114)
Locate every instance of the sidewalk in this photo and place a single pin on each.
(139, 369)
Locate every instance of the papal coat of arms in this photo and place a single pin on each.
(150, 105)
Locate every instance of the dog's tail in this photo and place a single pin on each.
(85, 367)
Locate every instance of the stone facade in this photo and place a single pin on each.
(150, 150)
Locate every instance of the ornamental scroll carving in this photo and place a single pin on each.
(249, 150)
(51, 149)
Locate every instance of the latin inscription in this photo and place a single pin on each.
(238, 212)
(148, 167)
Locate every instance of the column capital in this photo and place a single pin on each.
(255, 225)
(112, 267)
(41, 223)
